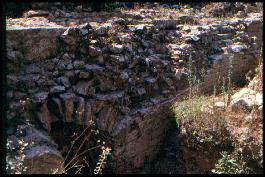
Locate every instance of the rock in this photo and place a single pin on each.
(55, 73)
(141, 91)
(164, 6)
(179, 73)
(68, 38)
(61, 65)
(64, 81)
(186, 29)
(246, 99)
(41, 96)
(69, 74)
(38, 137)
(35, 13)
(79, 64)
(204, 28)
(84, 75)
(101, 60)
(33, 91)
(219, 106)
(106, 118)
(103, 29)
(94, 51)
(117, 58)
(142, 111)
(166, 92)
(39, 148)
(184, 47)
(154, 60)
(150, 80)
(19, 95)
(68, 101)
(124, 76)
(66, 57)
(226, 30)
(47, 160)
(29, 80)
(188, 19)
(194, 38)
(111, 96)
(80, 111)
(12, 79)
(33, 68)
(228, 42)
(238, 48)
(11, 54)
(176, 7)
(93, 68)
(83, 88)
(50, 66)
(116, 48)
(49, 82)
(45, 117)
(56, 109)
(215, 57)
(225, 36)
(69, 66)
(89, 116)
(106, 85)
(168, 81)
(57, 89)
(55, 60)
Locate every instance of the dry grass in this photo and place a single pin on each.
(213, 131)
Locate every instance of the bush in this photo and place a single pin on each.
(211, 132)
(230, 165)
(190, 117)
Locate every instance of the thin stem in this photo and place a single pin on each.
(74, 142)
(82, 154)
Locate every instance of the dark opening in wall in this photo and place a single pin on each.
(81, 146)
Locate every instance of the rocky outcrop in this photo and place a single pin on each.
(40, 154)
(246, 99)
(120, 75)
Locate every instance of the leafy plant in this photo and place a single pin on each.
(230, 165)
(190, 116)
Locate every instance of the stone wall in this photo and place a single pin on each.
(124, 78)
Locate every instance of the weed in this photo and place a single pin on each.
(228, 164)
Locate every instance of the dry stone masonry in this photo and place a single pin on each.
(122, 74)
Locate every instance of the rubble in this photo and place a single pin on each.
(116, 70)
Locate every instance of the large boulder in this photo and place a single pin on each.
(246, 99)
(40, 151)
(43, 160)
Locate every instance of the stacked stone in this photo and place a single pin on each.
(113, 72)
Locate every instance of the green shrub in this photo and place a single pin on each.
(204, 130)
(230, 165)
